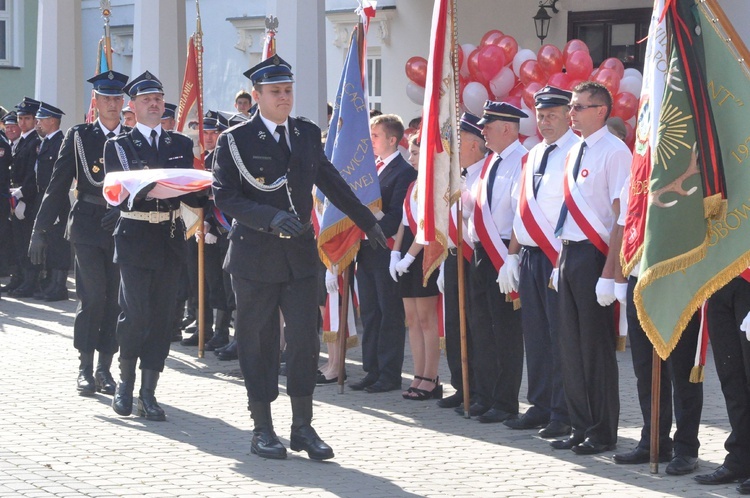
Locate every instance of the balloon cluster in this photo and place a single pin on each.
(497, 69)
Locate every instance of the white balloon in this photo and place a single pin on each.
(630, 84)
(468, 48)
(531, 141)
(415, 93)
(631, 121)
(503, 83)
(527, 126)
(475, 95)
(521, 57)
(631, 71)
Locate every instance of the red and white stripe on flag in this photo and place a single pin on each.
(439, 170)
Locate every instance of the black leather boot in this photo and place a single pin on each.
(105, 384)
(29, 285)
(304, 437)
(16, 280)
(58, 288)
(265, 443)
(229, 352)
(85, 383)
(122, 402)
(147, 405)
(221, 331)
(45, 285)
(193, 329)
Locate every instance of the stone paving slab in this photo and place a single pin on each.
(56, 443)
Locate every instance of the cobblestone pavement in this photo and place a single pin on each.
(56, 443)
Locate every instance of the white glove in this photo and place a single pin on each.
(745, 327)
(621, 292)
(605, 291)
(507, 277)
(210, 238)
(20, 210)
(441, 279)
(395, 258)
(403, 265)
(332, 282)
(554, 278)
(16, 192)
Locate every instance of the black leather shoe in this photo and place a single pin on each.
(367, 381)
(105, 384)
(475, 410)
(266, 445)
(85, 383)
(381, 387)
(589, 447)
(555, 429)
(525, 423)
(640, 455)
(193, 339)
(451, 401)
(216, 342)
(229, 353)
(232, 343)
(495, 415)
(682, 465)
(322, 379)
(122, 402)
(176, 336)
(744, 488)
(721, 475)
(567, 443)
(306, 439)
(149, 408)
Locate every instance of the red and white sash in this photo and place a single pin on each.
(582, 214)
(468, 249)
(410, 207)
(331, 323)
(533, 219)
(487, 232)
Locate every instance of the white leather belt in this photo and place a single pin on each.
(150, 216)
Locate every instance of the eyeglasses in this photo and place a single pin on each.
(579, 107)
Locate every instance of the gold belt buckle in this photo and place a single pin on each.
(284, 236)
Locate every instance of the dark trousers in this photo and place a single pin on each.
(7, 251)
(675, 375)
(257, 333)
(21, 238)
(214, 274)
(452, 321)
(147, 299)
(58, 248)
(496, 337)
(587, 346)
(382, 313)
(727, 309)
(539, 317)
(97, 286)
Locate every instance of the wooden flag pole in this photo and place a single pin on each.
(343, 325)
(201, 286)
(655, 404)
(462, 304)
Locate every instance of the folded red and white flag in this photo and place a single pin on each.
(170, 183)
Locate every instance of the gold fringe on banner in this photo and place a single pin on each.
(330, 337)
(627, 266)
(442, 344)
(714, 207)
(336, 229)
(443, 241)
(697, 374)
(621, 342)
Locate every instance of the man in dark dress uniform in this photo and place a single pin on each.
(89, 229)
(57, 261)
(149, 247)
(23, 189)
(6, 160)
(264, 172)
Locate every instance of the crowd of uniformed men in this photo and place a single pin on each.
(543, 225)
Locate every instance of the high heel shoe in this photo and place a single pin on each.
(407, 394)
(423, 394)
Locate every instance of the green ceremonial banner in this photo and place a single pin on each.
(687, 258)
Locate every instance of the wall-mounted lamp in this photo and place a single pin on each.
(542, 18)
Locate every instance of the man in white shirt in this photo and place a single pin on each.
(595, 171)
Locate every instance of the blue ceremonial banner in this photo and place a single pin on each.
(349, 148)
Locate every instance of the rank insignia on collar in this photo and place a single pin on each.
(262, 135)
(137, 143)
(261, 180)
(296, 131)
(2, 152)
(167, 139)
(95, 169)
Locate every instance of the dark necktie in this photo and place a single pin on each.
(491, 180)
(281, 130)
(542, 168)
(564, 208)
(464, 172)
(110, 134)
(154, 140)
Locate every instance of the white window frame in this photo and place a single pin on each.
(374, 77)
(14, 33)
(6, 17)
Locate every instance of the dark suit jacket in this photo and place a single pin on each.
(6, 160)
(22, 174)
(45, 163)
(140, 243)
(394, 182)
(255, 253)
(84, 221)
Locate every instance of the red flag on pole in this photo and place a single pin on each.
(190, 114)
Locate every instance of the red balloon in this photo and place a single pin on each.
(573, 45)
(624, 105)
(460, 57)
(509, 46)
(629, 135)
(416, 70)
(491, 37)
(608, 78)
(614, 64)
(513, 100)
(579, 65)
(462, 82)
(550, 59)
(573, 83)
(474, 70)
(517, 90)
(528, 94)
(559, 80)
(531, 71)
(491, 60)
